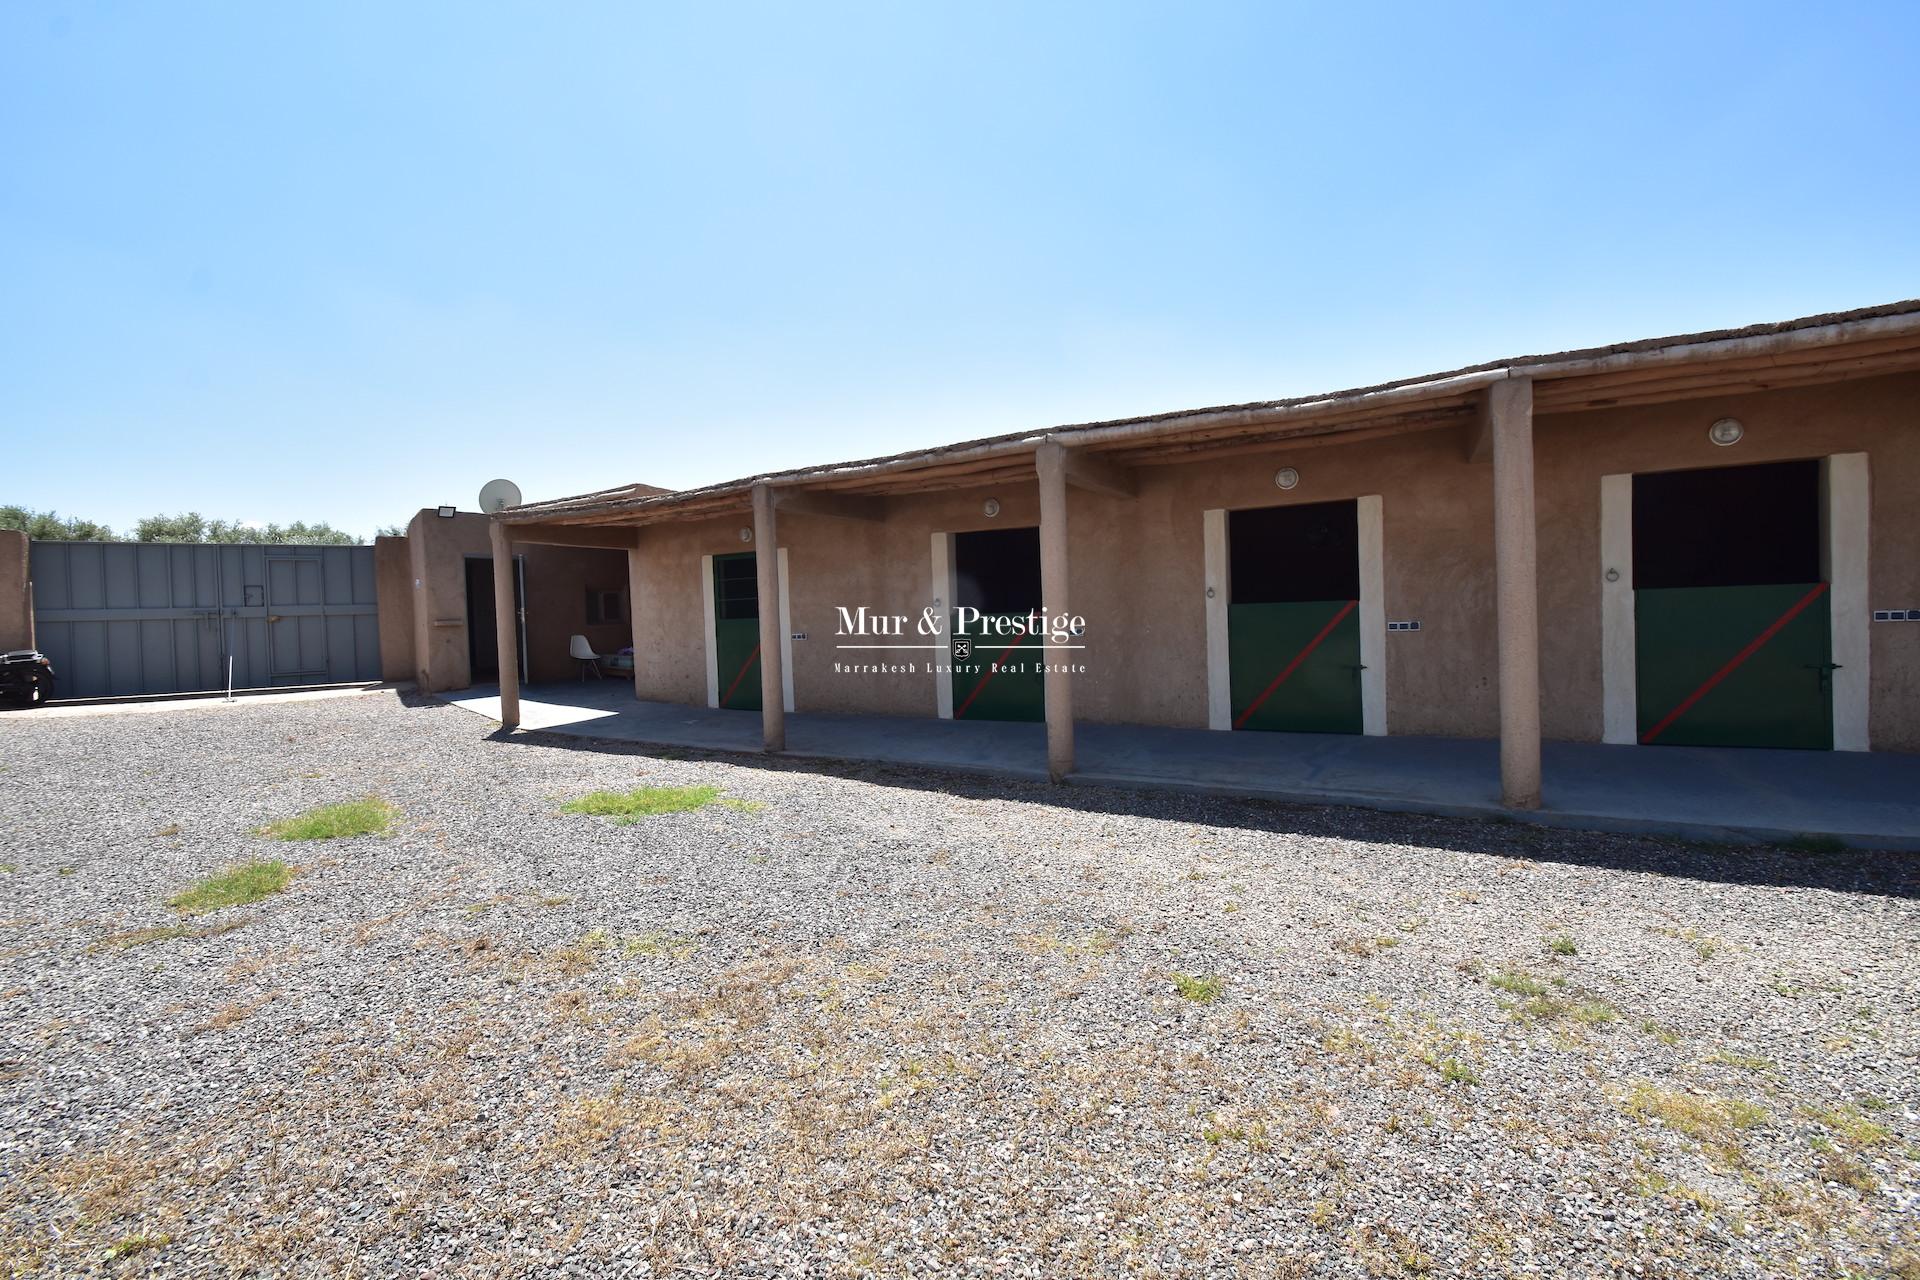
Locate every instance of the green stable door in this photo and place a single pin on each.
(1293, 620)
(736, 630)
(1295, 666)
(1735, 666)
(1733, 624)
(1001, 678)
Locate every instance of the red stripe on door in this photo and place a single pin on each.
(1298, 658)
(727, 697)
(1752, 648)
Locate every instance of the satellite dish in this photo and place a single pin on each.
(495, 494)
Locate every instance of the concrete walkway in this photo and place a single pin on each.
(1704, 793)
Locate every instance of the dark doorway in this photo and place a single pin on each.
(996, 674)
(1727, 526)
(483, 639)
(1286, 554)
(997, 570)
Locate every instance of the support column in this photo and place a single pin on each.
(1516, 590)
(635, 571)
(766, 563)
(1050, 461)
(506, 625)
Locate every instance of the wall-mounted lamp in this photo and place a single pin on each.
(1286, 477)
(1726, 431)
(746, 533)
(991, 507)
(448, 513)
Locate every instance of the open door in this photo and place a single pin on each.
(736, 630)
(997, 571)
(483, 637)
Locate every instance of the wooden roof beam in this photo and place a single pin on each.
(1089, 471)
(839, 506)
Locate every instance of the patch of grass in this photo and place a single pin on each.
(7, 868)
(1849, 1125)
(1655, 1183)
(1453, 1071)
(1519, 982)
(233, 887)
(665, 946)
(1848, 1172)
(164, 933)
(1714, 1122)
(1562, 946)
(368, 817)
(129, 1246)
(1746, 1061)
(171, 829)
(1544, 1008)
(1664, 1034)
(1595, 1013)
(1703, 946)
(67, 871)
(1201, 990)
(626, 807)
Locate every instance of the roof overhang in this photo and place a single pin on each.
(1809, 351)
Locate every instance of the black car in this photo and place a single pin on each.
(26, 677)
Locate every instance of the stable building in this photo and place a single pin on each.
(1709, 540)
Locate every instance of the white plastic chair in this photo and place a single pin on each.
(583, 654)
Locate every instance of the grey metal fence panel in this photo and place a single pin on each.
(133, 618)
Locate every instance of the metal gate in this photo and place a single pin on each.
(121, 618)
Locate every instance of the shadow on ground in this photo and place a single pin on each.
(1886, 874)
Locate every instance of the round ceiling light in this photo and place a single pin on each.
(991, 507)
(1286, 477)
(1726, 431)
(746, 533)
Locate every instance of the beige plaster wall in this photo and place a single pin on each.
(1879, 417)
(16, 597)
(1138, 564)
(557, 580)
(393, 588)
(669, 609)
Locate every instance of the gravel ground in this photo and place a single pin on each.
(874, 1021)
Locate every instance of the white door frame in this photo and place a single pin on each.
(1845, 544)
(940, 597)
(1845, 554)
(1619, 675)
(1219, 586)
(1218, 580)
(786, 632)
(706, 633)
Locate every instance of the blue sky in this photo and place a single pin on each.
(338, 262)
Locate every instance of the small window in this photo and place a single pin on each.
(603, 606)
